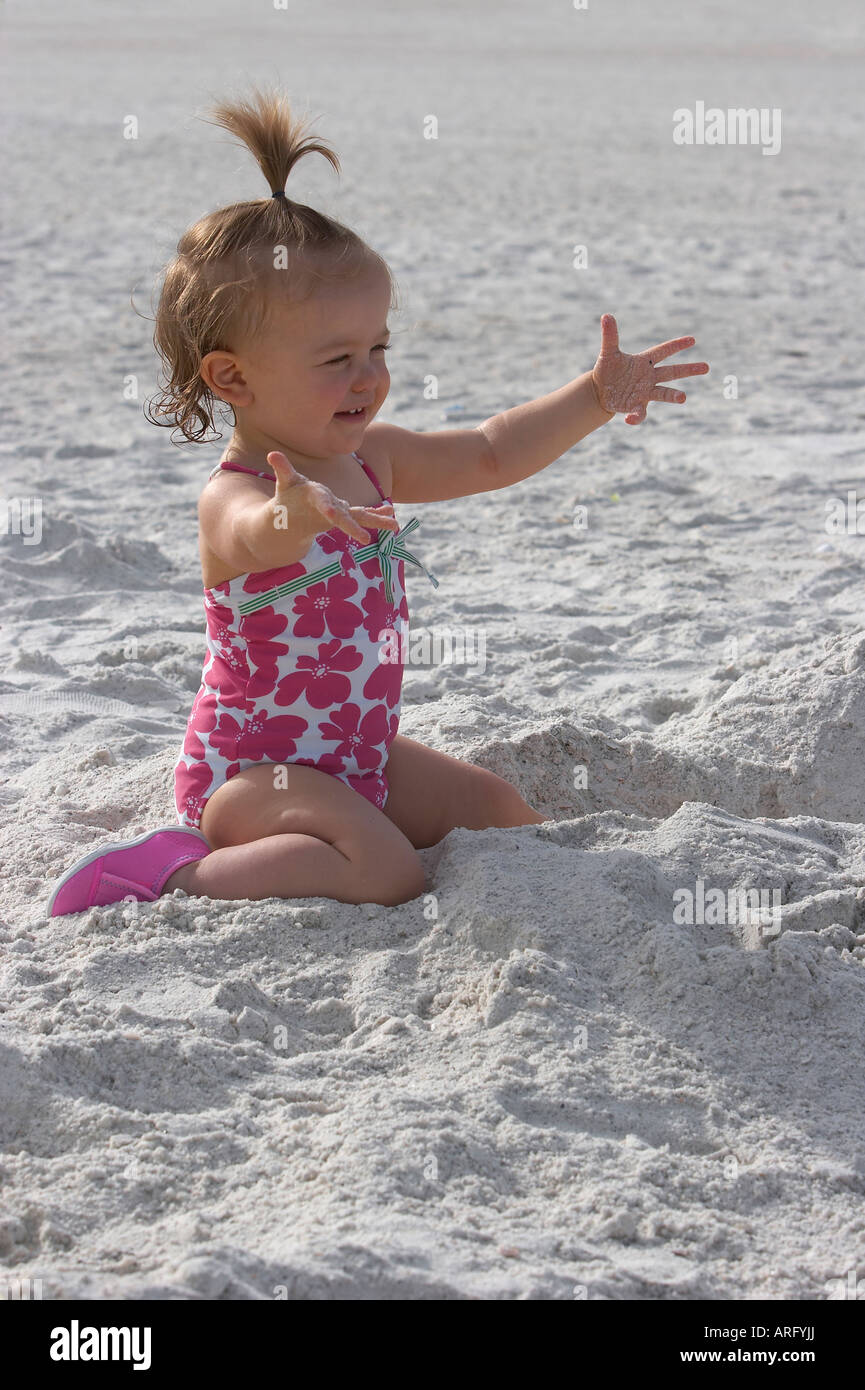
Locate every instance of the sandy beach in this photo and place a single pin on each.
(574, 1068)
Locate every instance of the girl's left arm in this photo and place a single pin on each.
(521, 441)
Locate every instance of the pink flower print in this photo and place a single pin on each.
(319, 678)
(192, 784)
(370, 787)
(212, 604)
(224, 735)
(271, 737)
(359, 738)
(326, 762)
(262, 626)
(384, 683)
(228, 673)
(220, 622)
(380, 792)
(202, 719)
(217, 612)
(372, 569)
(336, 541)
(262, 580)
(258, 630)
(327, 603)
(380, 614)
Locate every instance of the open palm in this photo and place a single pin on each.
(317, 501)
(626, 382)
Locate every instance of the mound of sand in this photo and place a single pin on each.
(531, 1082)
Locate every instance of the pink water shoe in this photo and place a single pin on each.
(132, 869)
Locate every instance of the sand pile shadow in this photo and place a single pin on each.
(777, 743)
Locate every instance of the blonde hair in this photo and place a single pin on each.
(223, 282)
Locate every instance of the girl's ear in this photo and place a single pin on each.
(221, 373)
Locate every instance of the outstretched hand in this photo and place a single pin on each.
(320, 504)
(625, 383)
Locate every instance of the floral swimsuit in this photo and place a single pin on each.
(298, 666)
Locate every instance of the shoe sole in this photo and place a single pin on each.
(109, 849)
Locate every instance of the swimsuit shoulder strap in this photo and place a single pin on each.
(241, 468)
(369, 473)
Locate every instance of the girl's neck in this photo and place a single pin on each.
(236, 451)
(255, 456)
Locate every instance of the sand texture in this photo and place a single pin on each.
(533, 1082)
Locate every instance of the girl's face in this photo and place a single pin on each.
(316, 376)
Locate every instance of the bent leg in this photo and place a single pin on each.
(311, 837)
(430, 793)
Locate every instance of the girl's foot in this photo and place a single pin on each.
(132, 869)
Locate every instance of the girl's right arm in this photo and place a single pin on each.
(253, 533)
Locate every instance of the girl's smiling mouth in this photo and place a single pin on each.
(356, 415)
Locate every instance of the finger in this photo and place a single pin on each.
(375, 509)
(285, 471)
(374, 516)
(637, 416)
(377, 519)
(663, 393)
(352, 527)
(341, 515)
(662, 350)
(684, 369)
(609, 334)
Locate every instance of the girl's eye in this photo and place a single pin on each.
(335, 361)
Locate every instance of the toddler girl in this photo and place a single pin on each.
(293, 780)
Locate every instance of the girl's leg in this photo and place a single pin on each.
(312, 837)
(430, 793)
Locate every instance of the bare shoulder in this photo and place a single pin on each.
(220, 501)
(378, 442)
(228, 483)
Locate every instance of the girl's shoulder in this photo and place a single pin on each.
(237, 471)
(374, 451)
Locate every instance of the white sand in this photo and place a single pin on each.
(536, 1085)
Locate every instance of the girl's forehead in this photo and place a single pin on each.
(348, 303)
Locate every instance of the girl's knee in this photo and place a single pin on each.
(505, 805)
(404, 880)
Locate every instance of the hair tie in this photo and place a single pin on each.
(280, 193)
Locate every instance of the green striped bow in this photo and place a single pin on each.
(388, 547)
